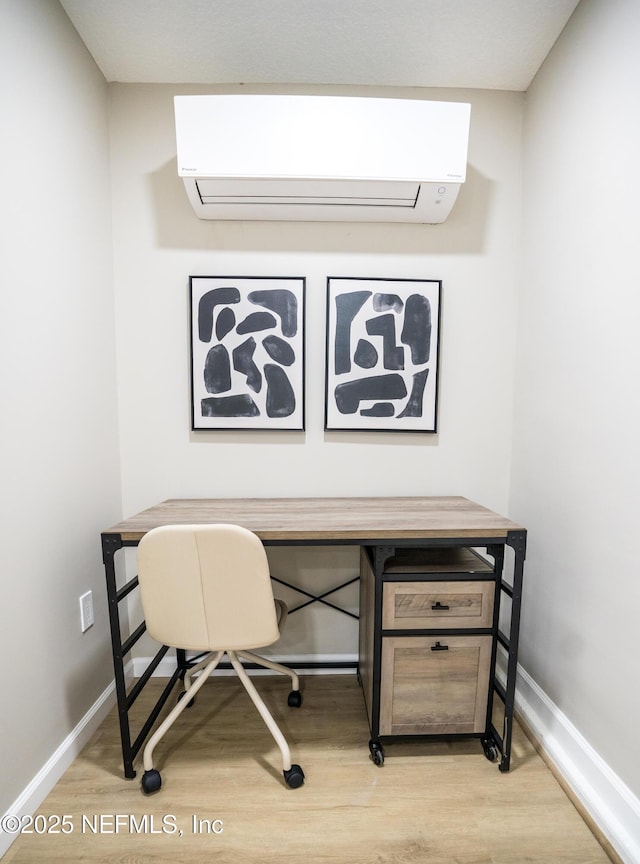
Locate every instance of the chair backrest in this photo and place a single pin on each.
(206, 587)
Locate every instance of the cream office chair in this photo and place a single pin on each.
(207, 588)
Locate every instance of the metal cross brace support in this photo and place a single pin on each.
(319, 598)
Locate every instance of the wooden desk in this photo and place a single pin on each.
(382, 524)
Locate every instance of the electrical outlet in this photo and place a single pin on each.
(86, 611)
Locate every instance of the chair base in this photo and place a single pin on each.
(194, 679)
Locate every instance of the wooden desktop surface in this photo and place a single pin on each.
(327, 519)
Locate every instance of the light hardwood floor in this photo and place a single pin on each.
(436, 802)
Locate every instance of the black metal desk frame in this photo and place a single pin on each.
(112, 543)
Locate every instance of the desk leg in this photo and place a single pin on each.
(110, 545)
(518, 542)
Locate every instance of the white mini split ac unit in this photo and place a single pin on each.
(321, 158)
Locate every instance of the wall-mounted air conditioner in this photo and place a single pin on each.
(321, 158)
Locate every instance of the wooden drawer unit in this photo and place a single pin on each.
(428, 628)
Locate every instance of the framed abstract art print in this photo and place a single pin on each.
(247, 352)
(382, 354)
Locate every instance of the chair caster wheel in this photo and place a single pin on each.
(151, 781)
(377, 753)
(182, 694)
(295, 699)
(294, 777)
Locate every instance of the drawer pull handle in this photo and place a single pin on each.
(439, 647)
(440, 607)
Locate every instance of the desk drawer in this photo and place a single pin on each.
(434, 685)
(436, 605)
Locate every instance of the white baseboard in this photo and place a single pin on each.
(608, 801)
(34, 794)
(167, 665)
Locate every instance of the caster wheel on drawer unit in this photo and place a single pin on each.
(490, 749)
(377, 753)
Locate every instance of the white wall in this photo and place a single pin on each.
(60, 469)
(159, 242)
(576, 470)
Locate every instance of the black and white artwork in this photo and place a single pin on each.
(382, 354)
(247, 352)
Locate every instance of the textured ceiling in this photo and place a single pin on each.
(489, 44)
